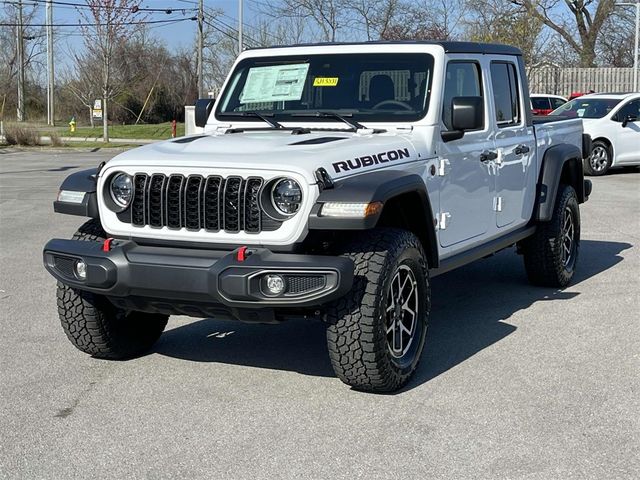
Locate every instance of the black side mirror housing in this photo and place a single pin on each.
(629, 119)
(203, 110)
(467, 113)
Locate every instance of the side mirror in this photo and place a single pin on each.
(467, 113)
(629, 119)
(203, 110)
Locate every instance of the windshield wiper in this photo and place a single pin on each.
(262, 116)
(355, 126)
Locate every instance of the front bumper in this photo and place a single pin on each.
(193, 276)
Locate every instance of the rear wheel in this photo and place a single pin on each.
(95, 326)
(377, 332)
(551, 254)
(599, 162)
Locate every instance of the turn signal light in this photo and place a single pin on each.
(350, 210)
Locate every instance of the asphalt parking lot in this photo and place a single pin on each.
(516, 382)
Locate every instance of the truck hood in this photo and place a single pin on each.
(340, 153)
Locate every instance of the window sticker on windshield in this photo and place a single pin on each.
(277, 83)
(580, 112)
(325, 82)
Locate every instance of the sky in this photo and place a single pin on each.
(175, 35)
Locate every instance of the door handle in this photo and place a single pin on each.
(521, 149)
(487, 156)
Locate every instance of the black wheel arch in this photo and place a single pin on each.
(405, 202)
(83, 181)
(561, 164)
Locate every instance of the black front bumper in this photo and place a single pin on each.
(180, 276)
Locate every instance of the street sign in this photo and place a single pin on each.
(97, 109)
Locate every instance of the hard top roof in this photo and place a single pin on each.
(449, 47)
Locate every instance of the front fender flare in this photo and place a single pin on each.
(82, 181)
(379, 186)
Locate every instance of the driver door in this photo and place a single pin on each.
(467, 185)
(627, 139)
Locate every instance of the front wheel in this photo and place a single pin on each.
(377, 332)
(599, 162)
(97, 327)
(551, 254)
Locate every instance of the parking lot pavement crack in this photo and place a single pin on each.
(67, 411)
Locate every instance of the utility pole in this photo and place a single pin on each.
(20, 47)
(635, 50)
(200, 47)
(240, 15)
(50, 71)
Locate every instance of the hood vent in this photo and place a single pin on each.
(318, 141)
(189, 139)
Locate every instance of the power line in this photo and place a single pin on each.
(133, 9)
(80, 24)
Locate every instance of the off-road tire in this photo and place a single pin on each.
(604, 154)
(543, 251)
(357, 334)
(95, 326)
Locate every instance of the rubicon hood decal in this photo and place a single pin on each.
(251, 153)
(373, 159)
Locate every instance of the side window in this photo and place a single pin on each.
(557, 102)
(631, 109)
(505, 93)
(462, 80)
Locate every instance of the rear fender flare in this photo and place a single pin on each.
(561, 164)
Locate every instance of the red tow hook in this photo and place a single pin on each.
(242, 254)
(106, 246)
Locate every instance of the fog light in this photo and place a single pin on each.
(275, 284)
(81, 270)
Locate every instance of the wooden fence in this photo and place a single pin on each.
(563, 81)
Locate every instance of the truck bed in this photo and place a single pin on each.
(550, 131)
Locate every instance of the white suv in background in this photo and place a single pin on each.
(613, 121)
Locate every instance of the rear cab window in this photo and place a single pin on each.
(506, 94)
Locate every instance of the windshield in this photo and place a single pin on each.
(362, 87)
(587, 107)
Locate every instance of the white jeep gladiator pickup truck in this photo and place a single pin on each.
(331, 182)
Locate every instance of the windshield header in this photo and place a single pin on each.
(380, 87)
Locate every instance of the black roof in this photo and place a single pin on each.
(449, 47)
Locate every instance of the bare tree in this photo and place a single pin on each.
(377, 17)
(615, 44)
(327, 16)
(578, 22)
(496, 21)
(34, 48)
(106, 25)
(83, 81)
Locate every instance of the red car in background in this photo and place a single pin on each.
(579, 94)
(543, 104)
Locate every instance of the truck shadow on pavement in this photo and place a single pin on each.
(470, 311)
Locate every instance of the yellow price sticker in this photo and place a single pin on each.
(325, 81)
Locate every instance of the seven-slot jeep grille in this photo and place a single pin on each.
(195, 202)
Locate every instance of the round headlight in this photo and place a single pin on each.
(287, 196)
(121, 190)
